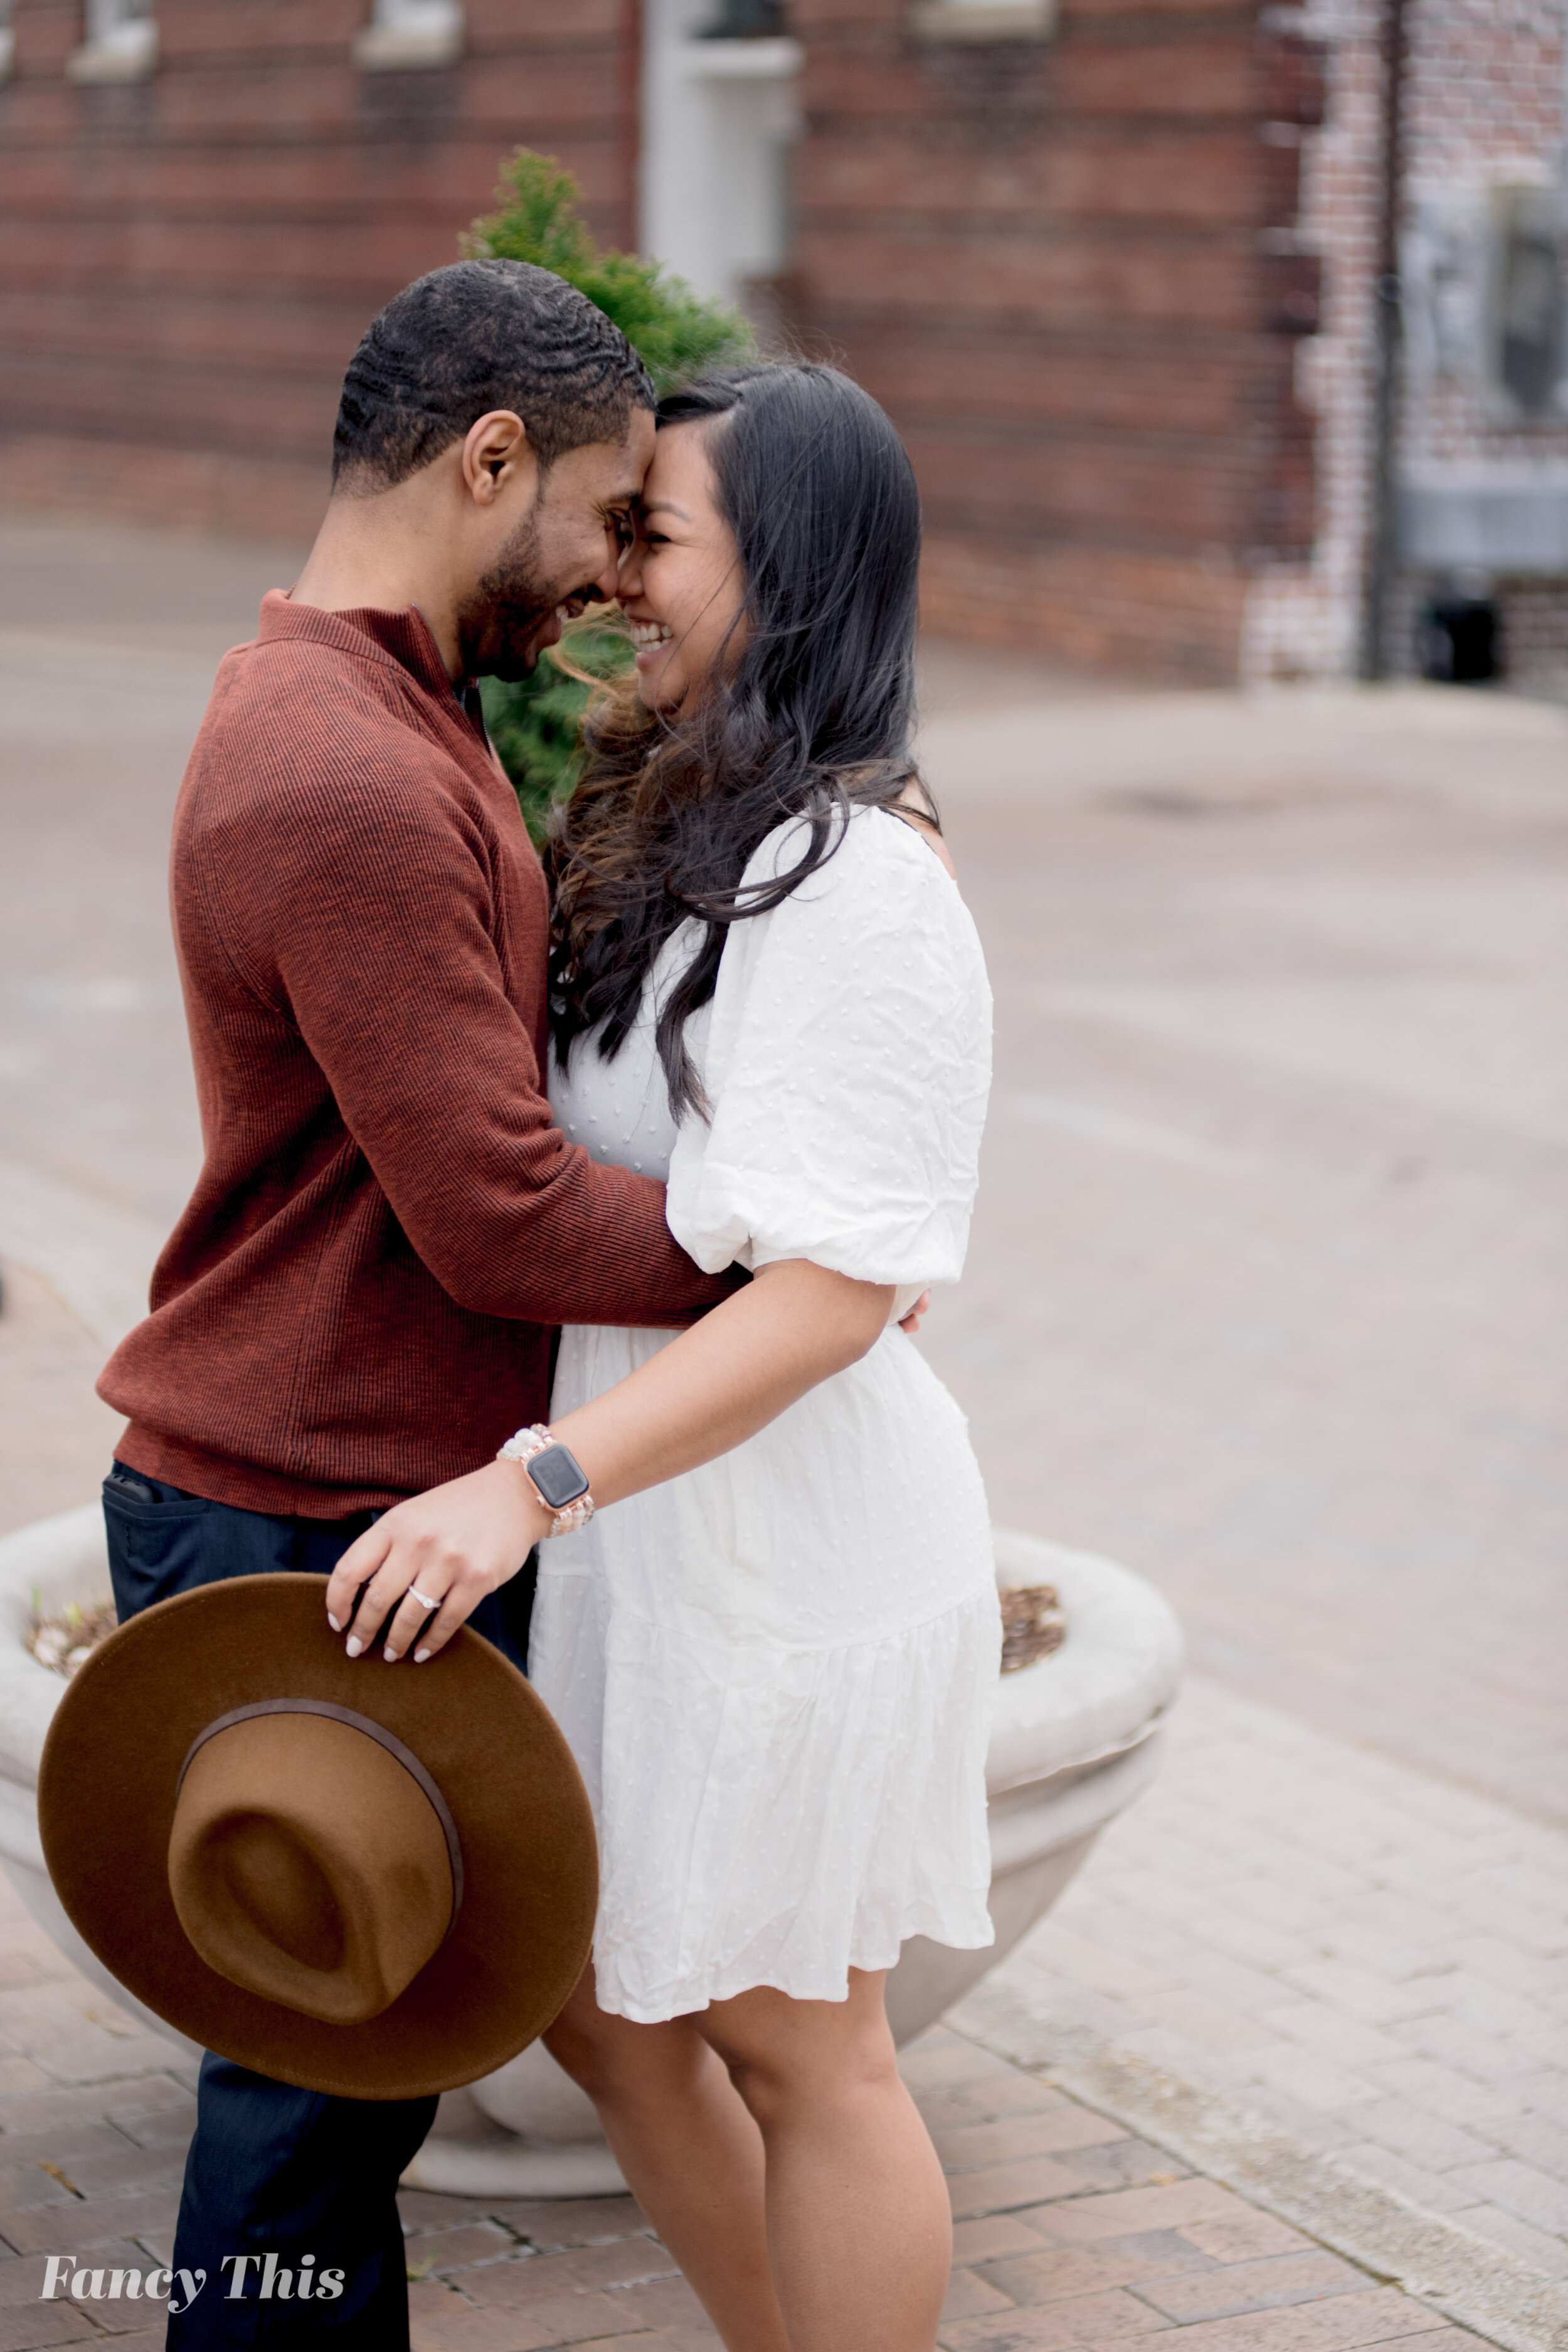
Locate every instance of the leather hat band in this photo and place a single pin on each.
(377, 1731)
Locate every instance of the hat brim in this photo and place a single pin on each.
(106, 1804)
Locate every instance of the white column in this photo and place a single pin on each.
(405, 35)
(717, 120)
(122, 43)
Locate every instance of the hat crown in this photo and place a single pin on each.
(308, 1860)
(273, 1880)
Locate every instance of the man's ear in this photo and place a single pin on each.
(496, 455)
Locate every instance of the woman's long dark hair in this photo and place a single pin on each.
(813, 718)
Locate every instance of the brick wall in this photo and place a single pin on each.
(1302, 618)
(1070, 272)
(1083, 276)
(1483, 104)
(1534, 615)
(186, 262)
(1486, 105)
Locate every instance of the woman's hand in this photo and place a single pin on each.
(710, 1389)
(450, 1546)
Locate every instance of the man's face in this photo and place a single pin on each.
(561, 555)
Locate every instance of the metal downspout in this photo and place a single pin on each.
(1382, 551)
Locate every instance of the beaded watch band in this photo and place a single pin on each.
(526, 1447)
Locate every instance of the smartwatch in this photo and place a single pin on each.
(558, 1477)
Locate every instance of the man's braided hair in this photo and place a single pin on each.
(470, 338)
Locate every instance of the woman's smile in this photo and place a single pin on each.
(648, 636)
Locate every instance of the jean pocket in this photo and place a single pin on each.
(157, 1548)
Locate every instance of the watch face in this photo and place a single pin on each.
(559, 1476)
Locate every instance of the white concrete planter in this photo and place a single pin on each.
(41, 1567)
(1074, 1738)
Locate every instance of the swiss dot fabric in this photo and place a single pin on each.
(848, 1062)
(776, 1672)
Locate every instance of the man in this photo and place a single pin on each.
(356, 1303)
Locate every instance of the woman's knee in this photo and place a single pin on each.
(783, 2091)
(803, 2055)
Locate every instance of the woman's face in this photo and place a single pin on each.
(681, 581)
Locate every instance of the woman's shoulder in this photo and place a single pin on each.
(881, 912)
(872, 850)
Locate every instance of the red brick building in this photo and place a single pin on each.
(1070, 269)
(1065, 245)
(189, 252)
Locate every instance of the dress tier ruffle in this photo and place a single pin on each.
(776, 1672)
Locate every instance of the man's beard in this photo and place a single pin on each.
(514, 605)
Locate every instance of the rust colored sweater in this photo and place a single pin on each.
(356, 1303)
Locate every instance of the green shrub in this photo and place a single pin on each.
(676, 333)
(536, 723)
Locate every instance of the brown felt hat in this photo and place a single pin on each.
(374, 1880)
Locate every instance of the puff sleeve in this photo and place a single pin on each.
(848, 1064)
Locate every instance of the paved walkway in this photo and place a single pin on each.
(1334, 1983)
(1266, 1285)
(1265, 1298)
(1071, 2230)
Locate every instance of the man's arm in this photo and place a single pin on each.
(367, 911)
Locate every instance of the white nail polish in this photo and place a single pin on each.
(355, 1645)
(391, 1655)
(420, 1656)
(333, 1622)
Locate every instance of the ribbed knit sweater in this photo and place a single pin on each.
(356, 1303)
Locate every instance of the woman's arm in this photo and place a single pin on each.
(709, 1389)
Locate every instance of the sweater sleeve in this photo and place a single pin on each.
(363, 906)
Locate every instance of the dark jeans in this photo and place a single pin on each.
(273, 2170)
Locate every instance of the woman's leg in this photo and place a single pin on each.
(859, 2229)
(690, 2152)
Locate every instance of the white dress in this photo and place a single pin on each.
(776, 1672)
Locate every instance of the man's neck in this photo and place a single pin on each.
(367, 557)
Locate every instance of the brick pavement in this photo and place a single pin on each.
(52, 1457)
(98, 1126)
(164, 593)
(1071, 2230)
(1353, 1973)
(1265, 1286)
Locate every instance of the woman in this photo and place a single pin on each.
(774, 1660)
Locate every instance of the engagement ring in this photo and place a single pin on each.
(414, 1594)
